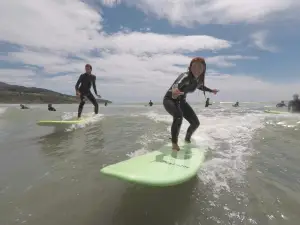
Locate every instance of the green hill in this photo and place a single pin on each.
(14, 94)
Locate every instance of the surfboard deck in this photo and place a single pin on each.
(54, 123)
(275, 112)
(163, 167)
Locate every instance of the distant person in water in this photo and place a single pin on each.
(294, 105)
(105, 103)
(86, 81)
(281, 104)
(237, 104)
(23, 106)
(175, 99)
(50, 108)
(150, 103)
(207, 103)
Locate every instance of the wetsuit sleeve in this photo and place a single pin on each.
(179, 82)
(94, 85)
(204, 88)
(78, 82)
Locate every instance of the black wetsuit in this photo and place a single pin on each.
(150, 103)
(179, 108)
(294, 106)
(51, 108)
(280, 105)
(24, 107)
(207, 103)
(86, 81)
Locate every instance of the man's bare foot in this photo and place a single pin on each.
(175, 147)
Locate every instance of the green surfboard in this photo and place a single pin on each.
(163, 167)
(55, 123)
(275, 112)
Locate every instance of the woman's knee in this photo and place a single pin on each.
(177, 119)
(194, 124)
(197, 123)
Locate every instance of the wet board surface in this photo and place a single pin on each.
(162, 167)
(275, 112)
(54, 123)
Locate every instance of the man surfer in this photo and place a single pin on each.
(85, 81)
(51, 108)
(175, 99)
(294, 105)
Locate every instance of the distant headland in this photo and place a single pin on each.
(15, 94)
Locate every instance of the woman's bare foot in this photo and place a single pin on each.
(175, 147)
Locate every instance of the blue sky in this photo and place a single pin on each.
(138, 48)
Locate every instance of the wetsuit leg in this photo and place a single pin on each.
(81, 104)
(191, 117)
(92, 99)
(173, 108)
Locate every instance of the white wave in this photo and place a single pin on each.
(2, 110)
(89, 118)
(138, 152)
(227, 138)
(283, 120)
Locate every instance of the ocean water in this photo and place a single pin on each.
(51, 176)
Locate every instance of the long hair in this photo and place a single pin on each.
(201, 78)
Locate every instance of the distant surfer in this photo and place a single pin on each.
(51, 108)
(207, 103)
(105, 103)
(175, 99)
(23, 106)
(281, 104)
(150, 103)
(237, 104)
(294, 105)
(85, 81)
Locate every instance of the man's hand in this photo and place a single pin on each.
(77, 93)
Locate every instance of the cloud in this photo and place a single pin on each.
(18, 76)
(226, 60)
(187, 12)
(260, 41)
(245, 87)
(67, 25)
(55, 39)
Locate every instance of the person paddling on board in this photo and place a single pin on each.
(281, 104)
(294, 105)
(175, 99)
(23, 106)
(237, 104)
(207, 103)
(85, 81)
(51, 108)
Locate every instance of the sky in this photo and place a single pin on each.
(139, 47)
